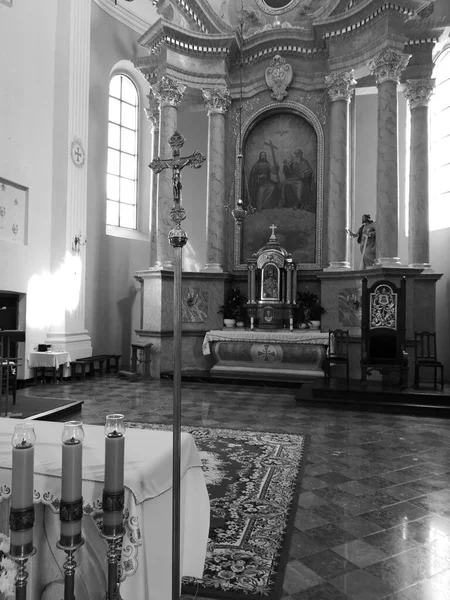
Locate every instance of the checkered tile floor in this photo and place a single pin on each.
(373, 519)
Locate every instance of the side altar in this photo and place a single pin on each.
(294, 355)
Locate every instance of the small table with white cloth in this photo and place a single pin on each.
(40, 361)
(147, 544)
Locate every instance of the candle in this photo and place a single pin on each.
(114, 474)
(71, 483)
(22, 485)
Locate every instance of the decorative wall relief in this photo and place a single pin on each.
(13, 212)
(350, 307)
(194, 305)
(278, 77)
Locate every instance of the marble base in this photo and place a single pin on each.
(387, 261)
(338, 265)
(425, 266)
(213, 268)
(302, 361)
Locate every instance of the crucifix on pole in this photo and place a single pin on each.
(177, 238)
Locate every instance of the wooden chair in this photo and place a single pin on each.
(337, 352)
(383, 331)
(426, 356)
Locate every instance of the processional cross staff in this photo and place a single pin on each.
(177, 238)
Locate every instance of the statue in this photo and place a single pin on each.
(366, 235)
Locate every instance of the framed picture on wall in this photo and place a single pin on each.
(282, 180)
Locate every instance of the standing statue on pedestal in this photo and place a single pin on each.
(366, 235)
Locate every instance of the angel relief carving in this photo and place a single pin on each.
(278, 77)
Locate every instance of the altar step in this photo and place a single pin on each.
(376, 397)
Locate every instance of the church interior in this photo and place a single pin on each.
(296, 153)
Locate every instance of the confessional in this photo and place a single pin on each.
(383, 331)
(272, 287)
(337, 352)
(426, 356)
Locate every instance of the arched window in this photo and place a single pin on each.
(122, 165)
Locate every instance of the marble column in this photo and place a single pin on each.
(387, 67)
(169, 93)
(217, 101)
(153, 115)
(340, 87)
(418, 93)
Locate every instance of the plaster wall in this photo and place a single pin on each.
(27, 65)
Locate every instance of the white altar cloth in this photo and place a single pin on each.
(48, 359)
(299, 336)
(146, 556)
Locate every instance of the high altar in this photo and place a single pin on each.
(278, 82)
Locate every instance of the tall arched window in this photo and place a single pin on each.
(122, 166)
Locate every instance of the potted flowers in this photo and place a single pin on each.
(311, 307)
(233, 309)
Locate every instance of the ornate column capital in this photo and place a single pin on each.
(419, 91)
(217, 100)
(152, 111)
(388, 65)
(340, 86)
(168, 91)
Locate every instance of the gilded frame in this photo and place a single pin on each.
(302, 111)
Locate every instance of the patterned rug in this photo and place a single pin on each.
(253, 480)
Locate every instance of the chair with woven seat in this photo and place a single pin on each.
(426, 356)
(337, 352)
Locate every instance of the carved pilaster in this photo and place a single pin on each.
(152, 111)
(168, 91)
(388, 65)
(340, 86)
(217, 100)
(419, 91)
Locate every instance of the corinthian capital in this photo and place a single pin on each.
(217, 100)
(418, 91)
(340, 86)
(388, 65)
(168, 91)
(152, 111)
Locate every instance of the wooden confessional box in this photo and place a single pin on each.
(272, 287)
(383, 332)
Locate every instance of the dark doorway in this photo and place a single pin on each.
(9, 317)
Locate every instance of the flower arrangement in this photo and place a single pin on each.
(309, 303)
(234, 305)
(8, 569)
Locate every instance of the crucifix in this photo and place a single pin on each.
(177, 238)
(273, 227)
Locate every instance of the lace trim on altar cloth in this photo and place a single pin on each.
(131, 541)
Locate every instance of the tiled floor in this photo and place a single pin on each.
(373, 519)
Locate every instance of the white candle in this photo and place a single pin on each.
(71, 477)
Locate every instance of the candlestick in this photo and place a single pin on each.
(113, 494)
(71, 506)
(22, 484)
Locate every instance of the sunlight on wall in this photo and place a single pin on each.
(440, 148)
(50, 295)
(190, 260)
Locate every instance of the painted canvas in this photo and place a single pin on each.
(280, 181)
(350, 307)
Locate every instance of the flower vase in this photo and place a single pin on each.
(229, 322)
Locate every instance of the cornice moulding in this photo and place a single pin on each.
(125, 16)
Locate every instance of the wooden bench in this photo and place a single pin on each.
(90, 361)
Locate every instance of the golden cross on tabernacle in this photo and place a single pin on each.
(273, 227)
(177, 163)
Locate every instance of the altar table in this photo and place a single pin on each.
(146, 550)
(49, 360)
(297, 354)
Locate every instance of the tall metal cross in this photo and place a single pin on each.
(177, 239)
(273, 227)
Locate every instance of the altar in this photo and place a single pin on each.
(267, 354)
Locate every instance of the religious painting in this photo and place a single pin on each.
(276, 6)
(13, 212)
(194, 305)
(350, 307)
(281, 178)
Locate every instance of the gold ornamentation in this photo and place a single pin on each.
(217, 100)
(419, 91)
(278, 77)
(340, 86)
(388, 65)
